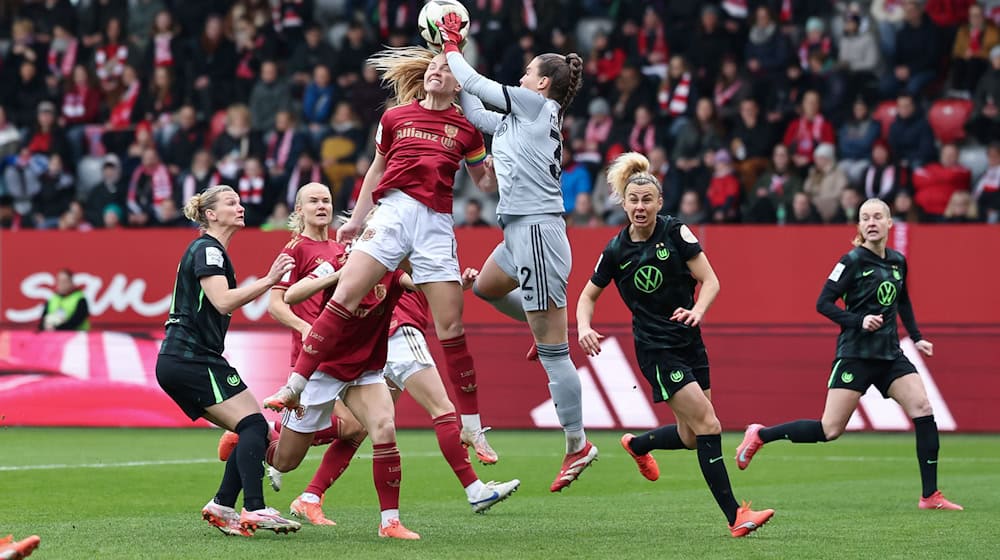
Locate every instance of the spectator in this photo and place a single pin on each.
(773, 192)
(66, 309)
(111, 56)
(751, 142)
(883, 178)
(342, 143)
(198, 178)
(651, 43)
(72, 218)
(676, 96)
(783, 96)
(81, 105)
(803, 211)
(109, 191)
(575, 179)
(888, 15)
(256, 198)
(251, 49)
(162, 98)
(987, 192)
(904, 210)
(22, 49)
(356, 48)
(850, 204)
(236, 143)
(910, 136)
(314, 50)
(29, 92)
(164, 47)
(318, 102)
(368, 96)
(690, 210)
(270, 94)
(346, 195)
(855, 140)
(46, 137)
(10, 136)
(825, 182)
(816, 40)
(473, 216)
(985, 121)
(642, 138)
(64, 53)
(698, 137)
(213, 69)
(516, 57)
(21, 180)
(142, 16)
(659, 167)
(961, 209)
(282, 146)
(807, 132)
(714, 42)
(96, 19)
(730, 89)
(631, 90)
(858, 54)
(916, 53)
(935, 182)
(766, 49)
(724, 190)
(278, 220)
(148, 188)
(114, 217)
(969, 56)
(583, 214)
(605, 63)
(600, 131)
(56, 191)
(9, 219)
(825, 78)
(188, 138)
(51, 14)
(118, 131)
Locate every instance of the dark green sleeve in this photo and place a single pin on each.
(837, 284)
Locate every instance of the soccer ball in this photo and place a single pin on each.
(431, 14)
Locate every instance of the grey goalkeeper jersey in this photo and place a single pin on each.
(527, 140)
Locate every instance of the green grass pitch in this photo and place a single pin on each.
(123, 494)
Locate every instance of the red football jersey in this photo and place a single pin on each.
(308, 255)
(364, 343)
(412, 310)
(423, 149)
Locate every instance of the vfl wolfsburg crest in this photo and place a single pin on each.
(886, 293)
(233, 380)
(847, 377)
(648, 279)
(676, 376)
(662, 252)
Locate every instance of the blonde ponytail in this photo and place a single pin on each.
(402, 70)
(630, 168)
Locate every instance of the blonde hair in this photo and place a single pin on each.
(296, 222)
(957, 198)
(859, 238)
(402, 70)
(630, 168)
(196, 206)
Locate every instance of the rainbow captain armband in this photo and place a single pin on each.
(476, 158)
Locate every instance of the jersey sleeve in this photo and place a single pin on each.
(209, 260)
(684, 239)
(383, 134)
(475, 155)
(604, 272)
(837, 283)
(517, 100)
(905, 308)
(480, 117)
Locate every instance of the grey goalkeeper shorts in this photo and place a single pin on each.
(535, 251)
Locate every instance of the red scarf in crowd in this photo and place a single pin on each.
(642, 139)
(64, 66)
(659, 43)
(278, 151)
(162, 55)
(809, 135)
(777, 186)
(251, 189)
(675, 100)
(110, 61)
(886, 182)
(190, 186)
(121, 114)
(724, 94)
(160, 180)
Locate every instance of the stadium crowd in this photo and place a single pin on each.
(114, 112)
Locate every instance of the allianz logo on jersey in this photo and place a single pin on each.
(612, 371)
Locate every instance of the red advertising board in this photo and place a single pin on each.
(769, 275)
(770, 350)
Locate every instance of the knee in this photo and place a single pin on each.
(449, 327)
(707, 426)
(922, 408)
(383, 430)
(352, 430)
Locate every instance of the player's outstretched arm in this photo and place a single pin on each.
(509, 99)
(476, 113)
(226, 300)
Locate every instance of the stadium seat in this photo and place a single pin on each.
(947, 118)
(885, 113)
